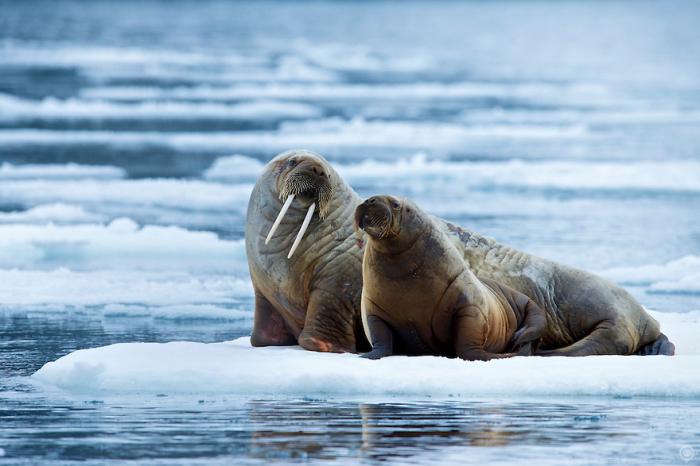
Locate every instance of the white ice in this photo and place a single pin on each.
(121, 244)
(63, 289)
(670, 176)
(9, 171)
(236, 368)
(677, 276)
(17, 109)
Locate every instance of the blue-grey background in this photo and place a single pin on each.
(568, 129)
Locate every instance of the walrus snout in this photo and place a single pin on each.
(374, 216)
(307, 180)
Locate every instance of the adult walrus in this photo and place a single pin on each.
(586, 314)
(305, 267)
(314, 298)
(419, 297)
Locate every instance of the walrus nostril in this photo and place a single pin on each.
(371, 200)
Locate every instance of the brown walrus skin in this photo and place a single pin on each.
(419, 297)
(314, 298)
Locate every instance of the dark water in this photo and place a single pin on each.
(568, 129)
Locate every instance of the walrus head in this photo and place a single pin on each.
(306, 177)
(386, 218)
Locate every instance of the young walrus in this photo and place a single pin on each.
(419, 297)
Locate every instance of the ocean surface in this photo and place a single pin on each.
(131, 134)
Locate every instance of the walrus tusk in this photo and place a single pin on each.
(302, 230)
(279, 218)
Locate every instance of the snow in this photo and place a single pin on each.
(236, 368)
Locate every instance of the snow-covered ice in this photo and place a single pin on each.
(236, 368)
(121, 244)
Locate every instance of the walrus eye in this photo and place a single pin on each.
(292, 162)
(395, 205)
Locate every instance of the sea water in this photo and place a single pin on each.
(131, 135)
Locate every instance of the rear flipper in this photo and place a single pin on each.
(661, 346)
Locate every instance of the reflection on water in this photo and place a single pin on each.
(276, 431)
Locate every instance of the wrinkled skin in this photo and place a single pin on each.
(419, 297)
(313, 298)
(586, 314)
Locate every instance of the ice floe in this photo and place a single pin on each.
(677, 276)
(62, 288)
(235, 368)
(668, 176)
(319, 135)
(54, 213)
(16, 109)
(9, 171)
(162, 192)
(572, 93)
(121, 244)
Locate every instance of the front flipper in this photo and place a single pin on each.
(269, 328)
(470, 338)
(534, 323)
(329, 326)
(381, 337)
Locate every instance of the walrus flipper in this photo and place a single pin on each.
(469, 339)
(661, 346)
(381, 337)
(605, 339)
(269, 328)
(533, 325)
(326, 328)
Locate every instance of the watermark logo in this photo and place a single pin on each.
(687, 453)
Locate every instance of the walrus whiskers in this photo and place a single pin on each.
(302, 230)
(279, 218)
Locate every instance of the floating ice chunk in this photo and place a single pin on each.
(544, 92)
(119, 245)
(234, 167)
(170, 193)
(59, 171)
(177, 312)
(671, 176)
(57, 213)
(677, 276)
(317, 135)
(17, 109)
(63, 287)
(235, 368)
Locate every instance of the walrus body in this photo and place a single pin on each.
(586, 314)
(418, 296)
(313, 297)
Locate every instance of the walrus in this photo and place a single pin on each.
(420, 298)
(586, 314)
(313, 298)
(305, 268)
